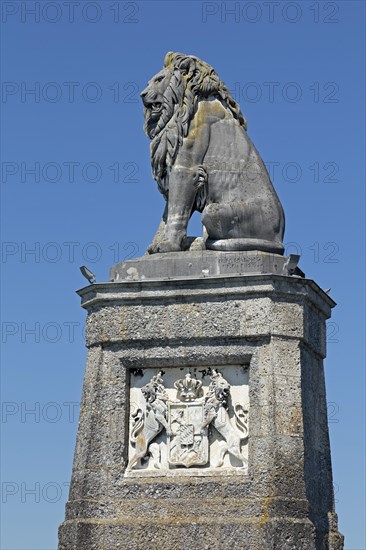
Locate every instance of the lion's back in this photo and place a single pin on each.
(233, 164)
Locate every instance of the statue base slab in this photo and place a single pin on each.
(201, 263)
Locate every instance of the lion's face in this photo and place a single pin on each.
(153, 99)
(222, 391)
(170, 103)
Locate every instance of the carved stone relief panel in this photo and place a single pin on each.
(185, 419)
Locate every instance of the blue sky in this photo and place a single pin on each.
(77, 189)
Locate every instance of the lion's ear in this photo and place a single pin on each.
(169, 59)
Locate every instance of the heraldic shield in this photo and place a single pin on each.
(188, 437)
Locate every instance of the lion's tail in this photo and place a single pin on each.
(138, 423)
(241, 419)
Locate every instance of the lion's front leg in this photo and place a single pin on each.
(160, 233)
(186, 177)
(182, 193)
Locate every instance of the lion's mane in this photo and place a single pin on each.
(191, 81)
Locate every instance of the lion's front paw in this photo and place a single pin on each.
(164, 246)
(152, 248)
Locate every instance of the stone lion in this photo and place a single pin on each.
(203, 159)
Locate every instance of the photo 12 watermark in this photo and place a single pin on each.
(34, 492)
(273, 91)
(270, 12)
(51, 412)
(69, 171)
(64, 11)
(70, 91)
(70, 252)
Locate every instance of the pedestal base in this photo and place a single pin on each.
(273, 325)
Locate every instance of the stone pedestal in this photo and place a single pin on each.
(264, 331)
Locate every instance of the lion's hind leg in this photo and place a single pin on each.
(235, 451)
(238, 225)
(223, 449)
(134, 460)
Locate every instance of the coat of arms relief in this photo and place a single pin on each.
(188, 424)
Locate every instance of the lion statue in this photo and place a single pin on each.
(202, 159)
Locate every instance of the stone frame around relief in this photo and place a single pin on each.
(158, 461)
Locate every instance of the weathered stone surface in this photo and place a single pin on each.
(284, 500)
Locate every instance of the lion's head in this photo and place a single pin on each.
(170, 102)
